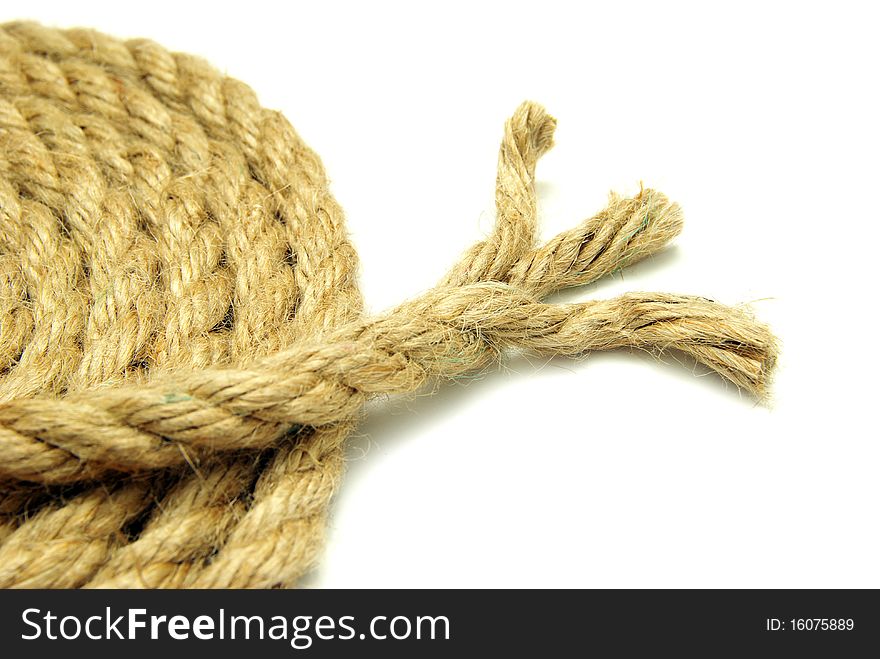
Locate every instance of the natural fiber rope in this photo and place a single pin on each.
(182, 348)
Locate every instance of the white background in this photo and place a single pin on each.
(615, 471)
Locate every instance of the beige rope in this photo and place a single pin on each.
(182, 348)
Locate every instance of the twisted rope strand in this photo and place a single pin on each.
(528, 135)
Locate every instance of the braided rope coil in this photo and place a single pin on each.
(182, 347)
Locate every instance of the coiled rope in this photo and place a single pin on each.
(182, 346)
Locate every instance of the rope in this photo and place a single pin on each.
(182, 348)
